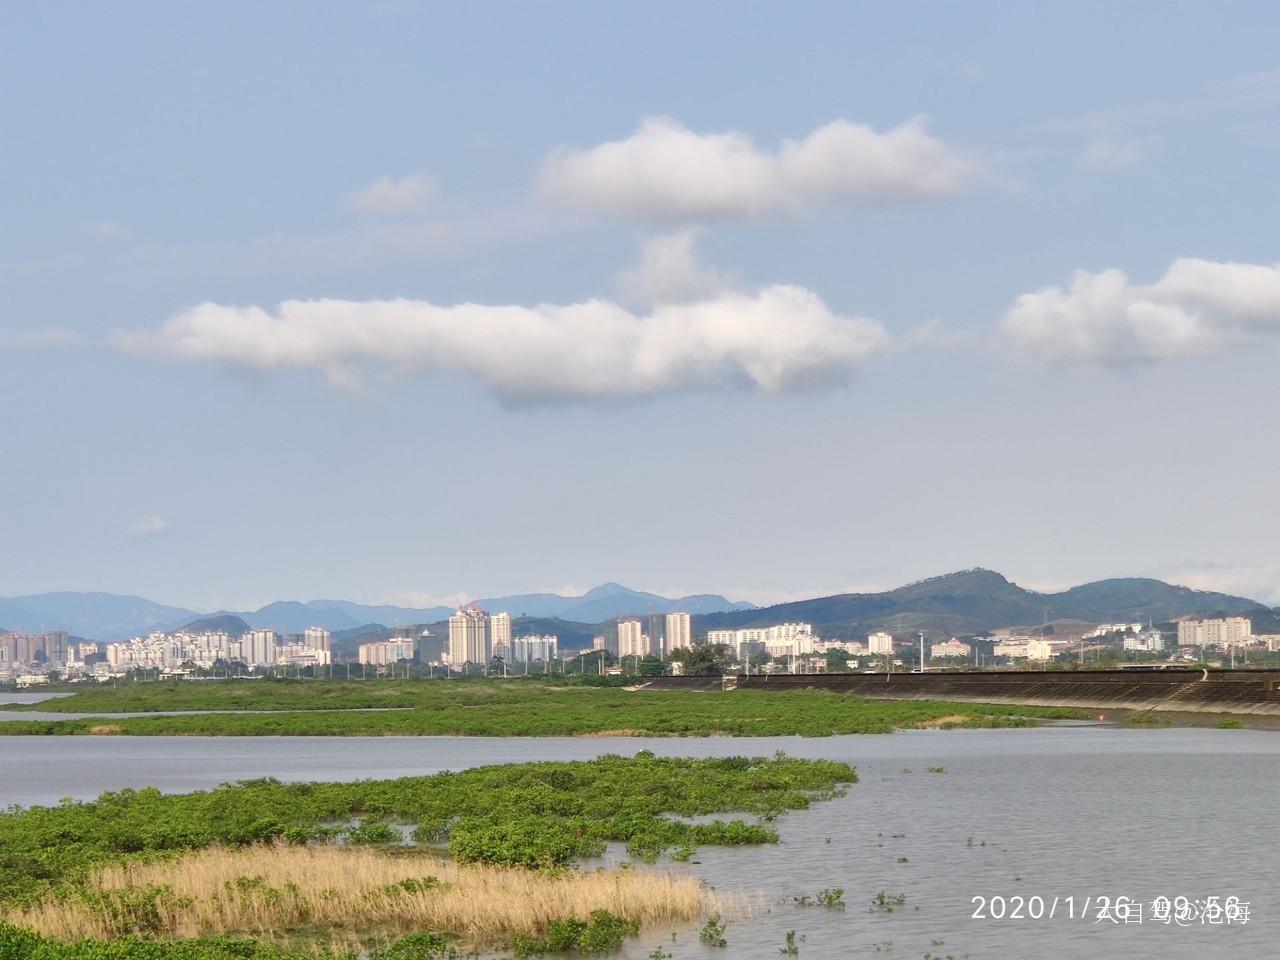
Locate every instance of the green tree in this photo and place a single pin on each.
(837, 661)
(704, 659)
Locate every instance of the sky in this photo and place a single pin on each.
(402, 302)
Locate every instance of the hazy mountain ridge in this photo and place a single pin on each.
(967, 602)
(106, 617)
(974, 601)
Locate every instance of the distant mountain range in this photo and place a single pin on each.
(975, 601)
(965, 603)
(106, 616)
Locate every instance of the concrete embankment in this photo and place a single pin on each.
(1255, 692)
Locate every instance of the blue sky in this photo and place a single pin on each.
(770, 301)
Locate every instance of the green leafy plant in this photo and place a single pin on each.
(887, 902)
(712, 932)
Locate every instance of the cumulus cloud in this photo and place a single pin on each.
(1197, 308)
(391, 197)
(148, 527)
(669, 272)
(776, 339)
(665, 171)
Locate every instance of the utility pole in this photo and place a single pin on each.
(922, 664)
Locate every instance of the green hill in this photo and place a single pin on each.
(975, 601)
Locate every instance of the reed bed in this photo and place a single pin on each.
(340, 896)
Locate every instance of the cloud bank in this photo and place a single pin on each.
(664, 171)
(1197, 308)
(777, 339)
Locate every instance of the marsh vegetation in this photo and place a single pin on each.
(503, 708)
(325, 866)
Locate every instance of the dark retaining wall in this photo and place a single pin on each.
(1194, 691)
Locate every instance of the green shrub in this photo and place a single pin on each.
(602, 933)
(373, 831)
(712, 932)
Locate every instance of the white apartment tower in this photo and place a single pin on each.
(316, 638)
(500, 635)
(1227, 632)
(529, 649)
(631, 639)
(880, 643)
(469, 637)
(259, 647)
(679, 633)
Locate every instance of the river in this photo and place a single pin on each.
(1080, 811)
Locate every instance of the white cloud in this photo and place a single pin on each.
(1197, 308)
(390, 197)
(148, 527)
(776, 339)
(664, 171)
(668, 272)
(1112, 154)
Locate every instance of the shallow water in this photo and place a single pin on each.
(1063, 811)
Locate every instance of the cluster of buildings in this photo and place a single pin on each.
(25, 657)
(779, 641)
(659, 636)
(479, 637)
(256, 648)
(402, 645)
(28, 658)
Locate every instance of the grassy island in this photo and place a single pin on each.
(501, 708)
(488, 858)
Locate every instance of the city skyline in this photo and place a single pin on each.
(909, 290)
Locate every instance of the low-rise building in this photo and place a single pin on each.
(950, 648)
(1150, 641)
(1013, 647)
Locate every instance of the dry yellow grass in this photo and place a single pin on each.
(343, 895)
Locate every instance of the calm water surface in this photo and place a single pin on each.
(1056, 812)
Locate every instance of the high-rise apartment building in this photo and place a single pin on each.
(317, 638)
(530, 649)
(386, 652)
(500, 635)
(679, 632)
(259, 647)
(632, 641)
(469, 637)
(56, 643)
(658, 634)
(880, 643)
(1226, 632)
